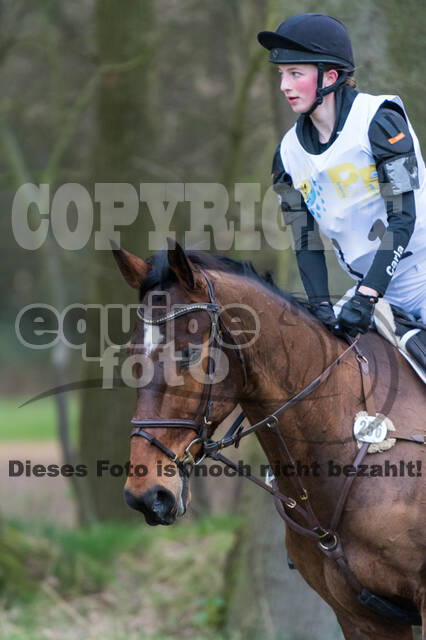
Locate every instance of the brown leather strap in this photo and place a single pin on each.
(338, 555)
(174, 422)
(157, 443)
(304, 531)
(347, 487)
(366, 381)
(272, 490)
(210, 447)
(366, 385)
(419, 438)
(371, 410)
(300, 489)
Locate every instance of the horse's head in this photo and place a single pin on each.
(188, 381)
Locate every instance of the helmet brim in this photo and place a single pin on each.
(289, 56)
(283, 51)
(271, 40)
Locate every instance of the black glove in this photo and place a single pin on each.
(325, 313)
(355, 316)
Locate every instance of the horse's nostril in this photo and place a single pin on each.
(164, 502)
(157, 504)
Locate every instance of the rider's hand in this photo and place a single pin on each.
(355, 316)
(324, 312)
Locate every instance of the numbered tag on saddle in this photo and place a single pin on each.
(370, 429)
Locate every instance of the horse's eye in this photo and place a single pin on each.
(189, 357)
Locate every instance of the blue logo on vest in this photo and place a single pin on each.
(312, 194)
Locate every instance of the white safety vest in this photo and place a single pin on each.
(341, 190)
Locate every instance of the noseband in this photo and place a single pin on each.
(202, 421)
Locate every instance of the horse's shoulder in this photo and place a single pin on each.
(396, 386)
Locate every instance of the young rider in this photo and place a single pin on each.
(356, 161)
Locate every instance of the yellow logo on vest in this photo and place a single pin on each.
(348, 180)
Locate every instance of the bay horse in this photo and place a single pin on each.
(382, 527)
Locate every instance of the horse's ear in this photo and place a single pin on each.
(134, 269)
(182, 266)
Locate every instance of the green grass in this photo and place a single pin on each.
(114, 581)
(79, 560)
(36, 421)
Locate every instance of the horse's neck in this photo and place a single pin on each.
(289, 355)
(291, 350)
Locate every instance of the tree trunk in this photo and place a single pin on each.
(264, 599)
(404, 24)
(125, 127)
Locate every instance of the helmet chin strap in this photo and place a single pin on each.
(324, 91)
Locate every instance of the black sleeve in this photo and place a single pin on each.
(393, 152)
(308, 244)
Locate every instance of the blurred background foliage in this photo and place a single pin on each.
(193, 100)
(142, 91)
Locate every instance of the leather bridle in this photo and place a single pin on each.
(201, 422)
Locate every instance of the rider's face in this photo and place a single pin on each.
(299, 85)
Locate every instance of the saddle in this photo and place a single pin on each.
(405, 332)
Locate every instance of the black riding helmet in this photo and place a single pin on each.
(312, 38)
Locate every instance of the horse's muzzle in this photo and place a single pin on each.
(157, 504)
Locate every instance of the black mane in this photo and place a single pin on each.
(161, 276)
